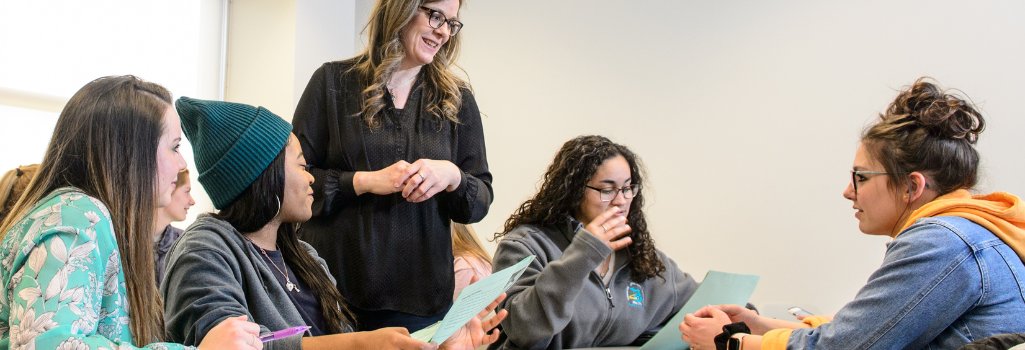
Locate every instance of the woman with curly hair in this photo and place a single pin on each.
(953, 272)
(598, 279)
(397, 149)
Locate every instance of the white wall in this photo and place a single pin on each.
(324, 32)
(50, 49)
(747, 114)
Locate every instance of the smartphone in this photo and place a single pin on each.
(798, 311)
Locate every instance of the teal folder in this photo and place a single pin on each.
(716, 289)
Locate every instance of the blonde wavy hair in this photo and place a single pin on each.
(13, 184)
(465, 241)
(384, 53)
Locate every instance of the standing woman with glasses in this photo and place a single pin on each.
(397, 149)
(953, 272)
(598, 279)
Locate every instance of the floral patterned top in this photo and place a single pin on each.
(63, 287)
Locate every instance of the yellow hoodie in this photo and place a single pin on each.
(999, 212)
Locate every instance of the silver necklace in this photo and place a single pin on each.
(607, 267)
(391, 88)
(288, 283)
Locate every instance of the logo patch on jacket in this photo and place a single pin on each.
(635, 295)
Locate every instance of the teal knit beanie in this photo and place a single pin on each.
(233, 143)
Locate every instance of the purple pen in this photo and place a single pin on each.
(287, 332)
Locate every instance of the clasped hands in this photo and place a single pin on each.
(418, 181)
(700, 328)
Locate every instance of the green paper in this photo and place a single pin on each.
(471, 301)
(717, 288)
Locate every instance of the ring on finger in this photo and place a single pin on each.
(604, 228)
(252, 342)
(422, 177)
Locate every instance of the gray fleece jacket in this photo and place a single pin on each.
(560, 302)
(214, 273)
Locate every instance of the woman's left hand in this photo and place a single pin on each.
(700, 332)
(426, 177)
(479, 330)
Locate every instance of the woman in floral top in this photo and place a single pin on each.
(75, 252)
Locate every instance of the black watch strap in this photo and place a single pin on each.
(722, 340)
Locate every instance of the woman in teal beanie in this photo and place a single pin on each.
(246, 258)
(76, 250)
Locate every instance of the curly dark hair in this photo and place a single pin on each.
(562, 192)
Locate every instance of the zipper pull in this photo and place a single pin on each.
(608, 293)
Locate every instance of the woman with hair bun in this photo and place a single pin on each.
(953, 272)
(598, 279)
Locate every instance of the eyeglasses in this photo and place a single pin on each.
(436, 19)
(610, 193)
(856, 173)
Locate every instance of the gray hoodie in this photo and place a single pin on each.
(560, 302)
(213, 273)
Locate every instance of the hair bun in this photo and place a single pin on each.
(941, 113)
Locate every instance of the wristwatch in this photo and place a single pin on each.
(736, 341)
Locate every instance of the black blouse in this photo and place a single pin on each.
(387, 253)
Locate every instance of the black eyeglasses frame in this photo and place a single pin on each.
(453, 25)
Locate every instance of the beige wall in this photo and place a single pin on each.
(747, 114)
(261, 54)
(258, 67)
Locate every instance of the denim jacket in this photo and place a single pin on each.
(944, 282)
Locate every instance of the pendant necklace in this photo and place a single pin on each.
(391, 89)
(288, 283)
(605, 264)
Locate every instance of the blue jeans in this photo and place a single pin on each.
(944, 282)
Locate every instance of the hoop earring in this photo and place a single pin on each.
(279, 205)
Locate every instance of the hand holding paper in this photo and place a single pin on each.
(716, 288)
(472, 300)
(478, 329)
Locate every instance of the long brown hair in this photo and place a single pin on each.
(384, 53)
(105, 145)
(562, 192)
(254, 208)
(465, 241)
(13, 184)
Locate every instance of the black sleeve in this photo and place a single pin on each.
(469, 202)
(312, 124)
